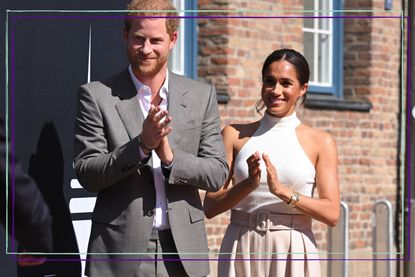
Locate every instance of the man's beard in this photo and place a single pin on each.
(148, 70)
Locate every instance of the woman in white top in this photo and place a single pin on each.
(275, 165)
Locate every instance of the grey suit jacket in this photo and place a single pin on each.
(107, 161)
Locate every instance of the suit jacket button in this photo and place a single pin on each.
(150, 212)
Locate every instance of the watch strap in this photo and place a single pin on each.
(295, 197)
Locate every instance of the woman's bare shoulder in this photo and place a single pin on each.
(240, 131)
(319, 137)
(238, 134)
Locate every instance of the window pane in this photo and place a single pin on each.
(308, 42)
(309, 23)
(309, 5)
(324, 59)
(176, 58)
(324, 5)
(324, 23)
(319, 47)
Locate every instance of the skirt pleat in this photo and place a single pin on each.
(247, 252)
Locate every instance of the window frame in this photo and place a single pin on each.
(186, 45)
(336, 88)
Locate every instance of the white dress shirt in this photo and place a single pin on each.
(161, 220)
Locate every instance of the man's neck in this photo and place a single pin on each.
(154, 82)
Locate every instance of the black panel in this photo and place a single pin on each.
(48, 61)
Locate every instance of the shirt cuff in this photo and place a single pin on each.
(144, 158)
(166, 169)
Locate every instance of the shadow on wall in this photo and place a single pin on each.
(46, 168)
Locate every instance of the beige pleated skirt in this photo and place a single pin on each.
(268, 245)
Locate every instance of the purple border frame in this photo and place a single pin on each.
(70, 17)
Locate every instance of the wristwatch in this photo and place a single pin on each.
(295, 197)
(143, 147)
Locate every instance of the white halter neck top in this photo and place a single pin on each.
(277, 138)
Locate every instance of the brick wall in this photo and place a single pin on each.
(231, 53)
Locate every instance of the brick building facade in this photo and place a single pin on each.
(231, 53)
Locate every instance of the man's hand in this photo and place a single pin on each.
(164, 151)
(155, 127)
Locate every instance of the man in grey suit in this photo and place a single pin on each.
(146, 140)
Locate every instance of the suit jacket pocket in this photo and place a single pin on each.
(195, 214)
(108, 216)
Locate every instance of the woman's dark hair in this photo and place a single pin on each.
(293, 57)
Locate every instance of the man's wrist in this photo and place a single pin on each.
(166, 169)
(146, 150)
(167, 165)
(167, 160)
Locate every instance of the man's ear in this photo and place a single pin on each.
(173, 40)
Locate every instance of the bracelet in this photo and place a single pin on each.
(295, 197)
(143, 147)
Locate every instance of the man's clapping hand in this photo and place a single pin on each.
(155, 127)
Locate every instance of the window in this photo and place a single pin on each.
(183, 59)
(323, 39)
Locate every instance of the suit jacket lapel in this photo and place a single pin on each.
(129, 108)
(177, 108)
